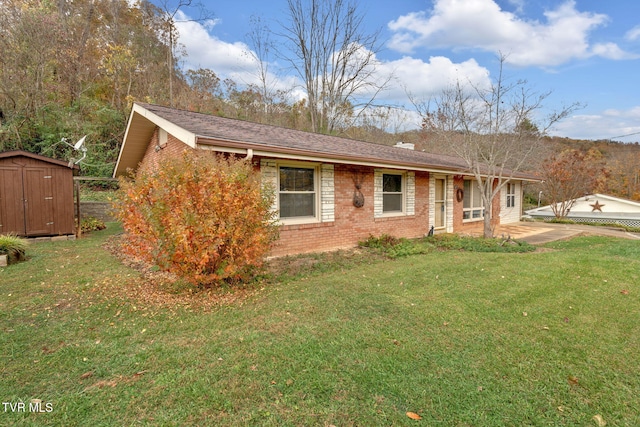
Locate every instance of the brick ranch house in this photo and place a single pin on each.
(331, 192)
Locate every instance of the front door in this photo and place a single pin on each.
(440, 203)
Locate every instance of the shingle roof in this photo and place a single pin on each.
(211, 129)
(220, 131)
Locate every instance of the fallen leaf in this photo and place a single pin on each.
(139, 374)
(524, 313)
(86, 375)
(413, 416)
(396, 342)
(546, 328)
(572, 380)
(599, 420)
(624, 292)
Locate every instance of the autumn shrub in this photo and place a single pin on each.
(90, 224)
(394, 247)
(201, 216)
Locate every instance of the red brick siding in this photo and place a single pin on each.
(173, 148)
(355, 224)
(351, 224)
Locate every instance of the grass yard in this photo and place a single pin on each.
(543, 338)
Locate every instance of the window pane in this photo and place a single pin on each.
(296, 179)
(392, 202)
(477, 198)
(466, 203)
(391, 183)
(297, 205)
(440, 190)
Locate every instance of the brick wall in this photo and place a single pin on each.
(342, 224)
(352, 224)
(99, 210)
(173, 148)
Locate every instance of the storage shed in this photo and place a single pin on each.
(36, 195)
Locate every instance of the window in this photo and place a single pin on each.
(392, 196)
(297, 192)
(511, 195)
(472, 206)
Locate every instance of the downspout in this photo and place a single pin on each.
(249, 154)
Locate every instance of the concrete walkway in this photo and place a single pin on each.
(538, 233)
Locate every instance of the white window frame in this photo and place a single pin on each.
(408, 193)
(472, 213)
(402, 193)
(316, 190)
(511, 195)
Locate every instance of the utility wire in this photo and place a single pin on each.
(622, 136)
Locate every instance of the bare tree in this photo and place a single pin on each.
(334, 57)
(262, 46)
(172, 34)
(492, 129)
(570, 175)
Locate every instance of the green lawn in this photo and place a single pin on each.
(463, 339)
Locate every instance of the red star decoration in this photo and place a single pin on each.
(596, 206)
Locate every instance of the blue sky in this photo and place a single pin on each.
(585, 51)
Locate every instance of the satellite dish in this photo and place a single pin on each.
(78, 146)
(80, 143)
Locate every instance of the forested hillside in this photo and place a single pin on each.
(73, 68)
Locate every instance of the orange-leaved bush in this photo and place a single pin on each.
(201, 216)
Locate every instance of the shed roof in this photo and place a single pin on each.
(199, 130)
(22, 153)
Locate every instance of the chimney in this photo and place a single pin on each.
(405, 145)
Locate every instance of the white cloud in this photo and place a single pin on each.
(612, 51)
(206, 51)
(481, 24)
(233, 60)
(608, 124)
(426, 79)
(633, 34)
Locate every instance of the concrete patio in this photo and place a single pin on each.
(538, 233)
